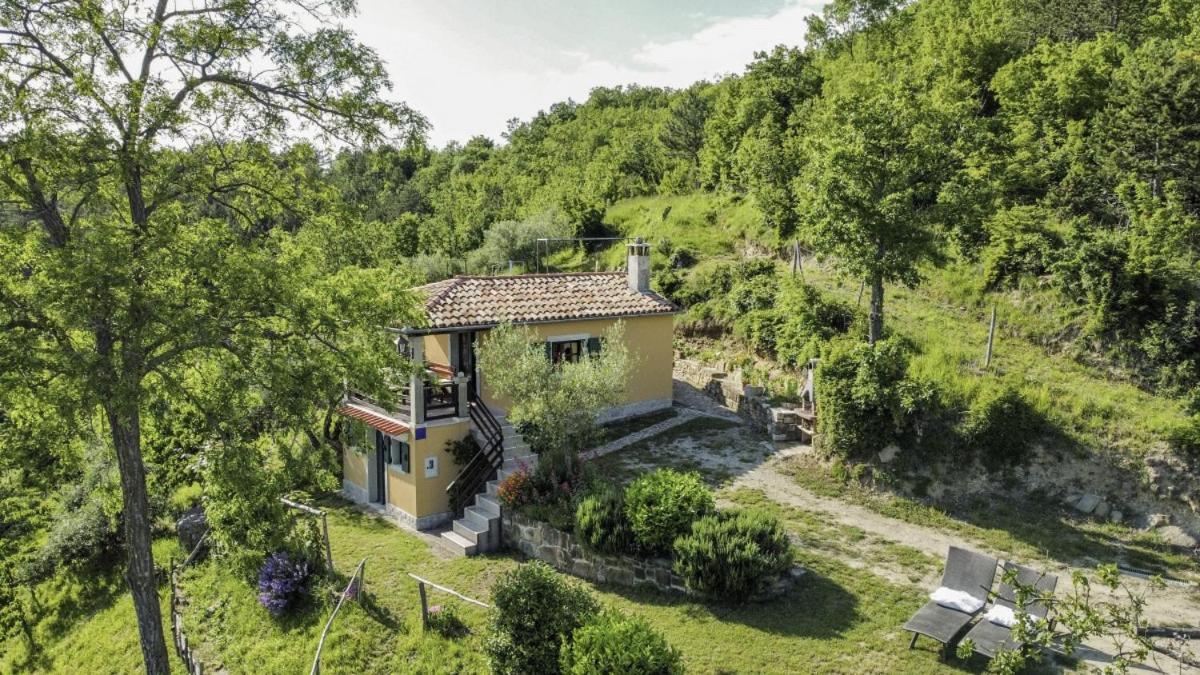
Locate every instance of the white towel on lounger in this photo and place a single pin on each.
(1001, 616)
(960, 600)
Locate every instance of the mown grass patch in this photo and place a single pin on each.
(837, 620)
(382, 635)
(85, 623)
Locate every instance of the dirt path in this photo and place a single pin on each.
(1173, 605)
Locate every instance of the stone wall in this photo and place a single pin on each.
(563, 551)
(782, 423)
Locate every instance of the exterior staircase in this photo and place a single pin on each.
(478, 530)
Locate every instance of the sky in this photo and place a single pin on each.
(471, 65)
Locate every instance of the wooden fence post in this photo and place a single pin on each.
(328, 551)
(424, 606)
(987, 358)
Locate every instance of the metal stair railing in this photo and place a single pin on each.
(483, 466)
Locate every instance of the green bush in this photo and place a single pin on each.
(601, 524)
(733, 554)
(463, 450)
(862, 409)
(999, 427)
(613, 643)
(662, 504)
(536, 611)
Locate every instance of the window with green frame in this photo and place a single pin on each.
(399, 454)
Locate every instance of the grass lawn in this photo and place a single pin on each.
(86, 624)
(838, 619)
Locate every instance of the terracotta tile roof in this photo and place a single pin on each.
(373, 418)
(532, 298)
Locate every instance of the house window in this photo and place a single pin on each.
(566, 351)
(570, 350)
(399, 454)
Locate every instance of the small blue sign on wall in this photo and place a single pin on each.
(420, 433)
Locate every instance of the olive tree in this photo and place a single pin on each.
(557, 403)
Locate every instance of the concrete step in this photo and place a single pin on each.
(488, 502)
(493, 488)
(476, 533)
(459, 543)
(476, 516)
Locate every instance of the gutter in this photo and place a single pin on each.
(412, 332)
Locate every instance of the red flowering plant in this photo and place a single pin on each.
(517, 488)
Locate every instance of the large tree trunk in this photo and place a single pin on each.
(125, 424)
(875, 328)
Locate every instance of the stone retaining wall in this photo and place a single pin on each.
(782, 423)
(563, 551)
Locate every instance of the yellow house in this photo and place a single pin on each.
(398, 460)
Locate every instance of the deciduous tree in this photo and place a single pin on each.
(875, 159)
(153, 219)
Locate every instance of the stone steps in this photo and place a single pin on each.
(478, 531)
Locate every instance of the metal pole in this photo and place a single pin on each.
(987, 359)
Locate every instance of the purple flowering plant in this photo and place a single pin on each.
(282, 582)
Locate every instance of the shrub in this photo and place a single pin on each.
(662, 504)
(601, 524)
(617, 644)
(536, 610)
(861, 406)
(80, 537)
(733, 554)
(517, 488)
(463, 450)
(283, 583)
(999, 426)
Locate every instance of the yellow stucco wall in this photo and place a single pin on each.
(431, 493)
(354, 467)
(437, 348)
(648, 339)
(413, 492)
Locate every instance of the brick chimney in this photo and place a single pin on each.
(639, 266)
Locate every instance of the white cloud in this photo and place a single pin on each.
(467, 88)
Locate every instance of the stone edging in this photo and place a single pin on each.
(685, 414)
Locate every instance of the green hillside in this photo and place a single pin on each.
(1037, 349)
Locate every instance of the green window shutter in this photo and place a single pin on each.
(549, 351)
(593, 346)
(405, 456)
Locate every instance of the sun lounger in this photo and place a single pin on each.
(965, 571)
(990, 638)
